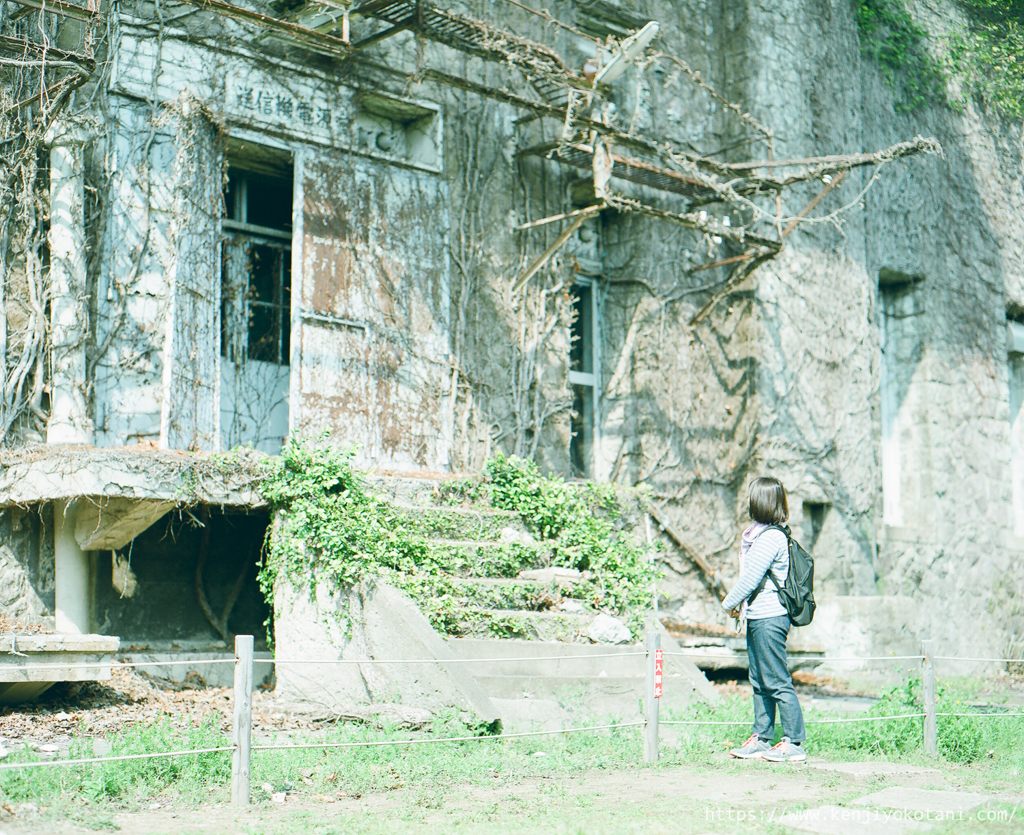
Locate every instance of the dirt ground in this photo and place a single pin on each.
(723, 796)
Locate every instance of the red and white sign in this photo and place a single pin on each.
(658, 662)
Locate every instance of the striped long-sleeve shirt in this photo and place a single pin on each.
(771, 548)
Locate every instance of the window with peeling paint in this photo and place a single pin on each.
(256, 276)
(256, 298)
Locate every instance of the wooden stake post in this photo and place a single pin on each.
(653, 696)
(242, 732)
(931, 737)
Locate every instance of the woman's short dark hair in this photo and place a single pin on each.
(768, 501)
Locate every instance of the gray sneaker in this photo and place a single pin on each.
(752, 749)
(785, 752)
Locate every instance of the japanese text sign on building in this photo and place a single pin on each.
(658, 667)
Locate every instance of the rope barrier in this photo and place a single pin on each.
(696, 655)
(854, 719)
(808, 722)
(114, 665)
(287, 663)
(120, 758)
(495, 737)
(739, 654)
(465, 660)
(998, 660)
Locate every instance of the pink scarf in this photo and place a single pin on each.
(749, 535)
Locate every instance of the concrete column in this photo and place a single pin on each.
(71, 573)
(69, 417)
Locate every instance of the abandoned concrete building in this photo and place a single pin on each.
(442, 230)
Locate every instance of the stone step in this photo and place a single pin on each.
(486, 558)
(934, 805)
(31, 664)
(548, 658)
(504, 594)
(841, 820)
(460, 523)
(714, 653)
(569, 627)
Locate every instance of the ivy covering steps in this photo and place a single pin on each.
(511, 554)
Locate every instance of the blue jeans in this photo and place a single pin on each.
(769, 675)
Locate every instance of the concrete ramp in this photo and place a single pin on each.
(369, 622)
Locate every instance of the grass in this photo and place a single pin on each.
(978, 751)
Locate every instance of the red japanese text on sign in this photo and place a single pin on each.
(658, 666)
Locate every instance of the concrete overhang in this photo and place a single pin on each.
(151, 480)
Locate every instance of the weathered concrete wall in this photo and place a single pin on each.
(26, 565)
(374, 260)
(372, 623)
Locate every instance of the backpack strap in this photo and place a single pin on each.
(768, 574)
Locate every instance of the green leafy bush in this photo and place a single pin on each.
(579, 524)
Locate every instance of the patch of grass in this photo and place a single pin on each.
(126, 779)
(992, 744)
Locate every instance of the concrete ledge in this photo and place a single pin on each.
(208, 665)
(31, 664)
(52, 473)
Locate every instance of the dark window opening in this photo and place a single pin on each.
(814, 521)
(581, 355)
(256, 267)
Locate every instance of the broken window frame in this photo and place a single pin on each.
(247, 237)
(586, 385)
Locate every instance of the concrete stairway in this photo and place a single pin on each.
(483, 551)
(524, 639)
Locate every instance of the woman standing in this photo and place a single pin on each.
(764, 549)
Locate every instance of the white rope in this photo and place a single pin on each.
(999, 660)
(114, 665)
(179, 661)
(741, 654)
(429, 741)
(809, 722)
(80, 761)
(639, 654)
(984, 715)
(701, 722)
(863, 719)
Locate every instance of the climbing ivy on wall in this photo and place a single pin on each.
(990, 57)
(986, 56)
(329, 527)
(889, 35)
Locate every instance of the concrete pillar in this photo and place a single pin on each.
(69, 417)
(71, 573)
